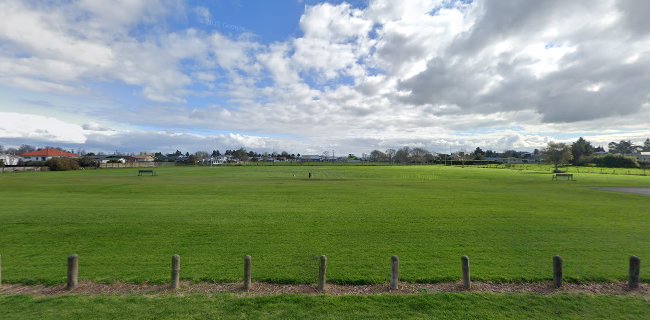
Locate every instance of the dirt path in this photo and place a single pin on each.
(267, 289)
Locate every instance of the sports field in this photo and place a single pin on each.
(510, 223)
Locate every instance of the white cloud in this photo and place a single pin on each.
(498, 74)
(37, 127)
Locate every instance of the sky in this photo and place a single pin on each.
(310, 76)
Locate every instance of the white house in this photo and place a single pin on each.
(643, 156)
(9, 159)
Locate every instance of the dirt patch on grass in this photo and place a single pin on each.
(641, 191)
(269, 289)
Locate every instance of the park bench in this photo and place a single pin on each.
(151, 172)
(568, 176)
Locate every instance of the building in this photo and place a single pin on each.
(9, 159)
(310, 158)
(643, 156)
(141, 158)
(47, 154)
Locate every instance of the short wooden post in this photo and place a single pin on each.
(634, 274)
(73, 272)
(466, 278)
(176, 271)
(394, 277)
(248, 266)
(322, 274)
(557, 271)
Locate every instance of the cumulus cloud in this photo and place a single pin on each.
(433, 73)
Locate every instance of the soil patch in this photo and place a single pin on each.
(269, 289)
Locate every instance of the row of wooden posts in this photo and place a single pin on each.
(634, 272)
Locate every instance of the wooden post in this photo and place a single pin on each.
(465, 266)
(248, 266)
(634, 274)
(176, 271)
(557, 271)
(73, 271)
(394, 277)
(322, 274)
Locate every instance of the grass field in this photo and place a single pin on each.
(510, 224)
(439, 306)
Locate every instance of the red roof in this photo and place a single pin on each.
(49, 153)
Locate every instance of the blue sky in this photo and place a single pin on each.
(309, 76)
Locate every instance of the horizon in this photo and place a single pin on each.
(310, 76)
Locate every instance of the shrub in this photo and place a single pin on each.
(87, 162)
(616, 161)
(62, 164)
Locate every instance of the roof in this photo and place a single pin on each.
(49, 153)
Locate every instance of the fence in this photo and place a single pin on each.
(634, 272)
(136, 165)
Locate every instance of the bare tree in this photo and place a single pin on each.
(390, 154)
(378, 156)
(419, 155)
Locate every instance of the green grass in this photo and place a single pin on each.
(439, 306)
(571, 169)
(510, 223)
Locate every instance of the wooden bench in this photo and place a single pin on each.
(151, 172)
(569, 176)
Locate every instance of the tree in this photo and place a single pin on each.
(622, 147)
(378, 156)
(557, 153)
(646, 145)
(201, 155)
(403, 155)
(580, 150)
(390, 154)
(419, 155)
(240, 154)
(478, 154)
(25, 148)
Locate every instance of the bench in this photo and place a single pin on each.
(568, 176)
(151, 172)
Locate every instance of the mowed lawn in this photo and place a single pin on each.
(510, 223)
(436, 306)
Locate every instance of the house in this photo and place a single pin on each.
(9, 159)
(310, 158)
(643, 156)
(141, 158)
(47, 154)
(218, 160)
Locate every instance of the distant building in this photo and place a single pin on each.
(310, 158)
(141, 158)
(643, 156)
(47, 154)
(9, 159)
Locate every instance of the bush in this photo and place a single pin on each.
(616, 161)
(87, 162)
(62, 164)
